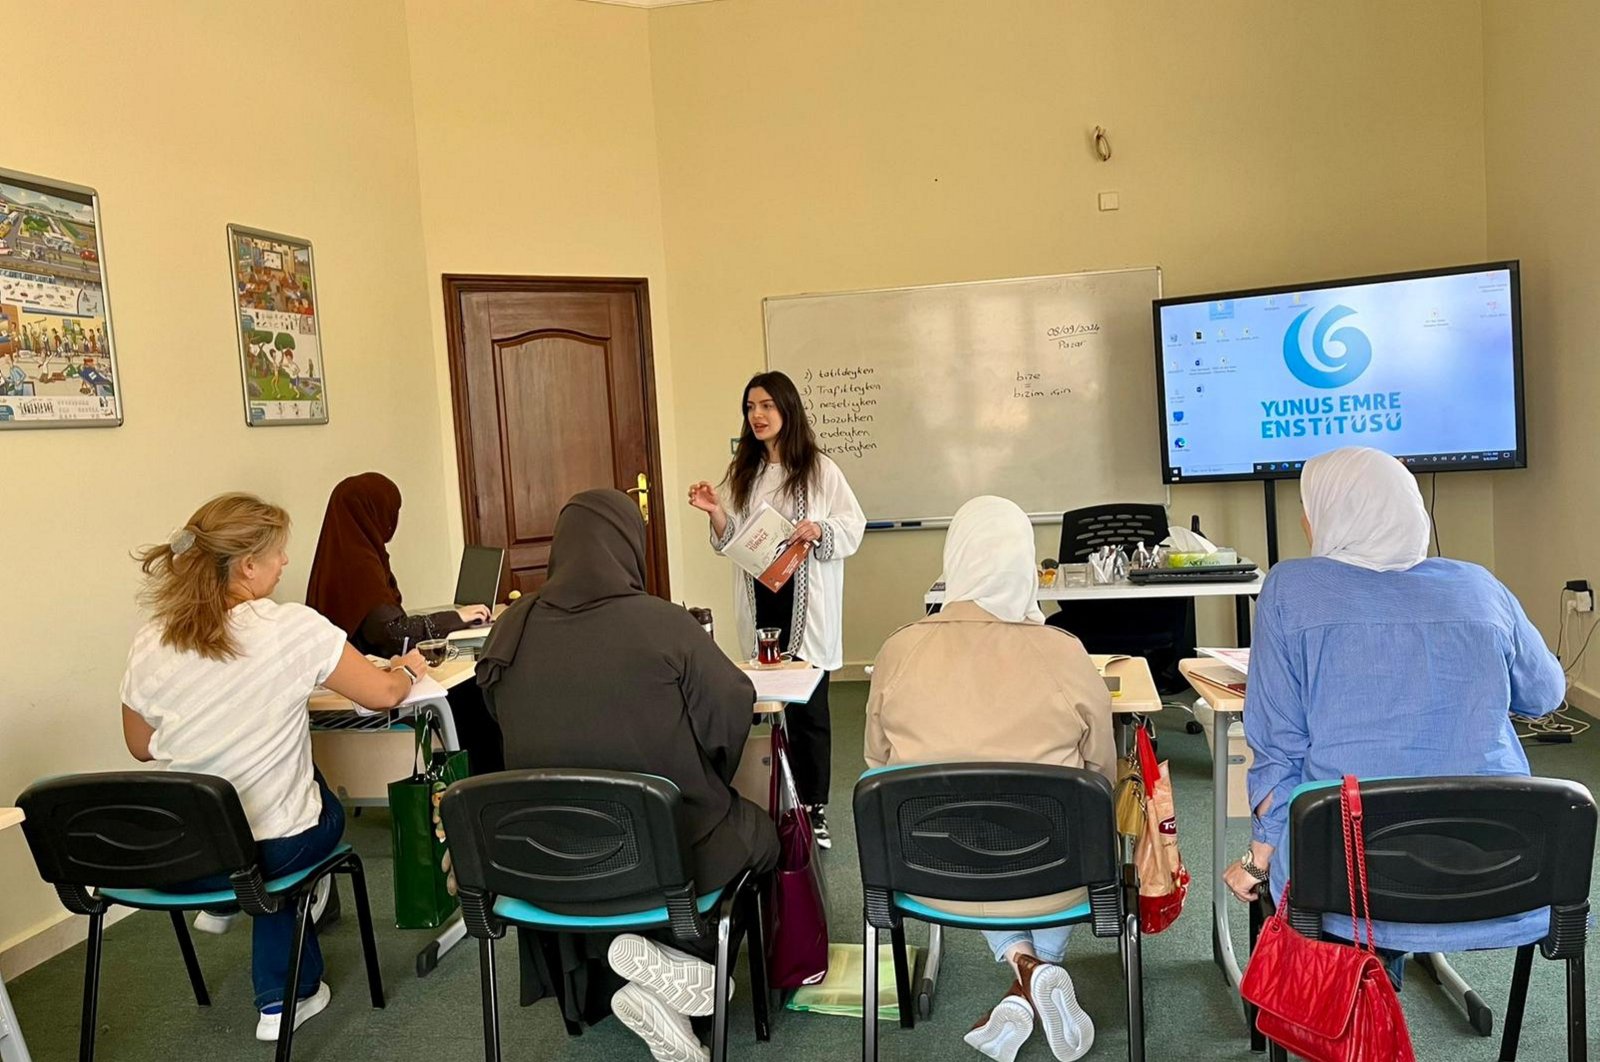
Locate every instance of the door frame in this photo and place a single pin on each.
(457, 285)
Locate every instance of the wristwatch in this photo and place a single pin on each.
(407, 669)
(1251, 868)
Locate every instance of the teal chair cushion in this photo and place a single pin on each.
(917, 909)
(523, 913)
(157, 899)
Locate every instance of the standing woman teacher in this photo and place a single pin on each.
(778, 461)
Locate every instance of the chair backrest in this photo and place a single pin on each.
(1120, 524)
(135, 829)
(568, 837)
(1443, 850)
(986, 831)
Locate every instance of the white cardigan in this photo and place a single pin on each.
(819, 585)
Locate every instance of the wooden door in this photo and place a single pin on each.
(553, 386)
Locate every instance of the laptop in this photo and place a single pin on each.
(1243, 572)
(478, 582)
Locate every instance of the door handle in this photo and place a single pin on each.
(641, 494)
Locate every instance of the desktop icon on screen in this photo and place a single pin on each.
(1199, 335)
(1177, 415)
(1180, 443)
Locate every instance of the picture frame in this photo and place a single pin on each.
(275, 311)
(58, 365)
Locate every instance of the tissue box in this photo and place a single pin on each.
(1200, 560)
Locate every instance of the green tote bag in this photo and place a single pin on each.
(421, 898)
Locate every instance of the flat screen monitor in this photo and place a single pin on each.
(1426, 366)
(479, 580)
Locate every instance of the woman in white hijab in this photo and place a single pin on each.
(986, 680)
(1372, 659)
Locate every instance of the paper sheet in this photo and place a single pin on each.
(1238, 659)
(791, 685)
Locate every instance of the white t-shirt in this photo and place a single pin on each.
(242, 719)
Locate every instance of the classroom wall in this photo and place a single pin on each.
(1543, 162)
(836, 145)
(540, 160)
(206, 115)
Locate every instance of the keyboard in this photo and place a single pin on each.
(1220, 573)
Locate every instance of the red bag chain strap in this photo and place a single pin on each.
(1355, 859)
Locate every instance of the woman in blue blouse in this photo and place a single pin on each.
(1372, 659)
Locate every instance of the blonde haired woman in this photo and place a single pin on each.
(217, 683)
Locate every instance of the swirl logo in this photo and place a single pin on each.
(1320, 368)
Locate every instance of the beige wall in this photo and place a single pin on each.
(1543, 171)
(537, 147)
(184, 125)
(837, 145)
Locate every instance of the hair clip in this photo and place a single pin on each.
(181, 541)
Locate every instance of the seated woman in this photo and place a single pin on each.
(217, 683)
(595, 672)
(1371, 659)
(985, 679)
(352, 584)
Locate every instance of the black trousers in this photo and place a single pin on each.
(809, 725)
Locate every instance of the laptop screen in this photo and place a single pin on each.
(479, 581)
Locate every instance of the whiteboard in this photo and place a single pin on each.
(1040, 389)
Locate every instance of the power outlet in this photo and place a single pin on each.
(1582, 599)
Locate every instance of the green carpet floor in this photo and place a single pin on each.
(147, 1012)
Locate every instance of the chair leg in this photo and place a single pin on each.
(756, 943)
(724, 971)
(1577, 1012)
(489, 979)
(1257, 920)
(1133, 971)
(191, 961)
(1512, 1034)
(869, 993)
(91, 988)
(369, 941)
(1133, 974)
(902, 977)
(1277, 1052)
(291, 990)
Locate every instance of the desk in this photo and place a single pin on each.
(1228, 707)
(1240, 592)
(12, 1047)
(1139, 697)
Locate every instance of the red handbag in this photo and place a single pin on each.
(797, 908)
(1323, 1001)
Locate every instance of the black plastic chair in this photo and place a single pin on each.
(989, 832)
(135, 838)
(1159, 629)
(1463, 849)
(565, 851)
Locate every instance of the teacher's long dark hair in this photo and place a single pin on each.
(797, 445)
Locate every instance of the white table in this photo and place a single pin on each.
(12, 1047)
(1241, 592)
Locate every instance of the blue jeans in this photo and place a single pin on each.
(272, 938)
(1049, 944)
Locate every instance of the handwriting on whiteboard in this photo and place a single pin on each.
(841, 402)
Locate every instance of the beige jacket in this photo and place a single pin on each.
(961, 685)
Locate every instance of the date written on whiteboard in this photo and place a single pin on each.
(1072, 336)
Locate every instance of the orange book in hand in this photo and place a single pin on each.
(782, 570)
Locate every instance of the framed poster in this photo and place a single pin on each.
(57, 364)
(280, 338)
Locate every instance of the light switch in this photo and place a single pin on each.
(1109, 201)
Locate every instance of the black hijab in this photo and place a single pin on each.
(597, 555)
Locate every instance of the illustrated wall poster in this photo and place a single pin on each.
(57, 364)
(280, 335)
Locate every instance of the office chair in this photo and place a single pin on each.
(135, 838)
(989, 832)
(555, 850)
(1464, 849)
(1159, 629)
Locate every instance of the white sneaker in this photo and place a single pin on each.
(1004, 1031)
(217, 924)
(686, 984)
(1066, 1026)
(666, 1032)
(308, 1007)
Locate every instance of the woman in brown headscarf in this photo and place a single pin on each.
(351, 581)
(353, 586)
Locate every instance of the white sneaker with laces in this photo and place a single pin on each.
(308, 1008)
(686, 984)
